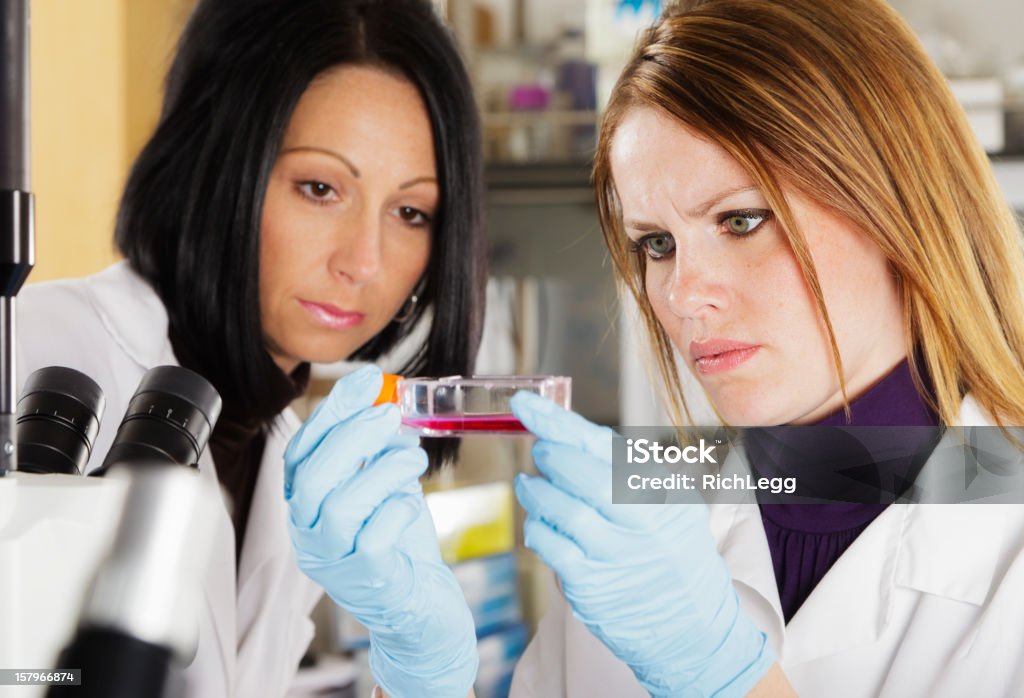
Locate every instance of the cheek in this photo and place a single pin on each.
(773, 299)
(404, 262)
(268, 252)
(274, 220)
(657, 286)
(295, 239)
(419, 255)
(273, 253)
(859, 290)
(785, 295)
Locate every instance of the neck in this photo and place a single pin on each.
(893, 400)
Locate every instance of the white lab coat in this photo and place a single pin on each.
(928, 601)
(113, 328)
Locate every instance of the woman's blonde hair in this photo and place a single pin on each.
(838, 101)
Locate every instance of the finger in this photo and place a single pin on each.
(558, 552)
(584, 476)
(385, 567)
(388, 524)
(420, 540)
(337, 459)
(335, 534)
(552, 422)
(389, 473)
(413, 488)
(590, 479)
(570, 517)
(373, 568)
(403, 440)
(351, 394)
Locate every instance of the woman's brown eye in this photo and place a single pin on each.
(413, 216)
(316, 190)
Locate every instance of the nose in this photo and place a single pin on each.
(357, 250)
(696, 287)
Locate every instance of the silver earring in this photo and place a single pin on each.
(407, 309)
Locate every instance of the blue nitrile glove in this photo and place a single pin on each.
(646, 579)
(361, 529)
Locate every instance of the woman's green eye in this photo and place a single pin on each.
(744, 222)
(658, 246)
(739, 224)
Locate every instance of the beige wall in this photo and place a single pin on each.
(97, 71)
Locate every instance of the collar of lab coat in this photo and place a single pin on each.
(955, 551)
(140, 329)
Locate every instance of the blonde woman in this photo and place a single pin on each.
(796, 202)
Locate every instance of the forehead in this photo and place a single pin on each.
(654, 155)
(361, 101)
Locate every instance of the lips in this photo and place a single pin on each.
(717, 355)
(331, 316)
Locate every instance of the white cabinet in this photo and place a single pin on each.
(1010, 173)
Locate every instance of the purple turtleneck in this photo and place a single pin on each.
(805, 540)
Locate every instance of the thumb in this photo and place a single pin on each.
(351, 394)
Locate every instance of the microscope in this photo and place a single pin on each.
(99, 575)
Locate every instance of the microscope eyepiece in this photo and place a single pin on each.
(168, 420)
(59, 415)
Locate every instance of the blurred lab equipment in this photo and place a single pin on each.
(54, 529)
(17, 242)
(140, 615)
(59, 414)
(552, 298)
(982, 100)
(140, 618)
(1013, 81)
(168, 421)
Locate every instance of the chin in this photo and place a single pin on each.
(747, 411)
(747, 418)
(321, 353)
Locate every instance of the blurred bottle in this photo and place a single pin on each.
(530, 139)
(1013, 81)
(576, 78)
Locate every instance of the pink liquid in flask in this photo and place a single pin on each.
(504, 423)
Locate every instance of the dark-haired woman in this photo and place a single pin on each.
(310, 194)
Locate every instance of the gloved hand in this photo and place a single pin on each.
(361, 529)
(646, 579)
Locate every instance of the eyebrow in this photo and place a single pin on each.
(324, 151)
(348, 163)
(418, 180)
(710, 202)
(695, 212)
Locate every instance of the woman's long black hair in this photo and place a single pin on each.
(189, 220)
